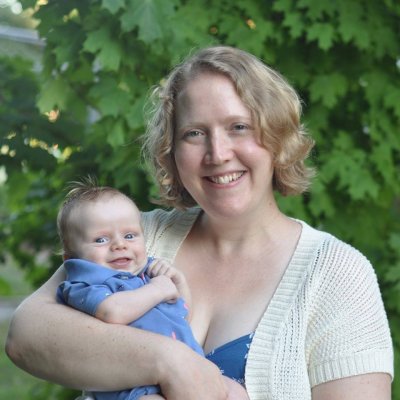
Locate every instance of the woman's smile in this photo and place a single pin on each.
(225, 179)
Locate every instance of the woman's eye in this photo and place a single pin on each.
(100, 240)
(193, 133)
(240, 127)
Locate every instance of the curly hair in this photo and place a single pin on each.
(274, 105)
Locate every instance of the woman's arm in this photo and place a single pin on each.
(62, 345)
(361, 387)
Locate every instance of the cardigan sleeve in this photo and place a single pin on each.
(348, 330)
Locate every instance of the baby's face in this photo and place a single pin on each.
(108, 232)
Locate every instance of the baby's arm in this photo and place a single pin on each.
(125, 307)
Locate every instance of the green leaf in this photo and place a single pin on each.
(328, 88)
(283, 5)
(392, 98)
(110, 99)
(349, 165)
(110, 54)
(295, 23)
(134, 116)
(384, 40)
(149, 16)
(95, 39)
(316, 121)
(394, 242)
(393, 274)
(321, 203)
(54, 93)
(360, 183)
(324, 34)
(239, 34)
(292, 205)
(186, 35)
(382, 156)
(317, 9)
(375, 86)
(113, 5)
(116, 136)
(352, 25)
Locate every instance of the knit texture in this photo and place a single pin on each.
(325, 321)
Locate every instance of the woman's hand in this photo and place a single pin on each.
(191, 376)
(235, 390)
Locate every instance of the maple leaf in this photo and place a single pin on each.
(113, 5)
(323, 33)
(328, 88)
(110, 99)
(55, 93)
(149, 16)
(107, 49)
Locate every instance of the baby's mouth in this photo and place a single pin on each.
(121, 261)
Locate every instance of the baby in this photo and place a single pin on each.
(110, 276)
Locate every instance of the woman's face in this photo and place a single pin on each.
(218, 153)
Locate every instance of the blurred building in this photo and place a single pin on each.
(22, 42)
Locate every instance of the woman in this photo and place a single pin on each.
(224, 135)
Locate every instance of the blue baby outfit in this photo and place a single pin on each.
(88, 284)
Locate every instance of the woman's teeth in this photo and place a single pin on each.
(224, 179)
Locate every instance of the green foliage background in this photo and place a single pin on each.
(102, 57)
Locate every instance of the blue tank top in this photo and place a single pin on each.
(231, 357)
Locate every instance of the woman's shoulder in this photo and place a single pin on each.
(335, 260)
(160, 219)
(328, 245)
(166, 229)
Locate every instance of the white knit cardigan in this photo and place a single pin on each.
(325, 321)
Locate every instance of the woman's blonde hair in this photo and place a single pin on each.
(275, 107)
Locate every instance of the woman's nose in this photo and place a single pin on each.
(219, 149)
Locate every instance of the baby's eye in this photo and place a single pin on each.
(101, 240)
(130, 236)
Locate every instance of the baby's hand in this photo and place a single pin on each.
(160, 267)
(165, 287)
